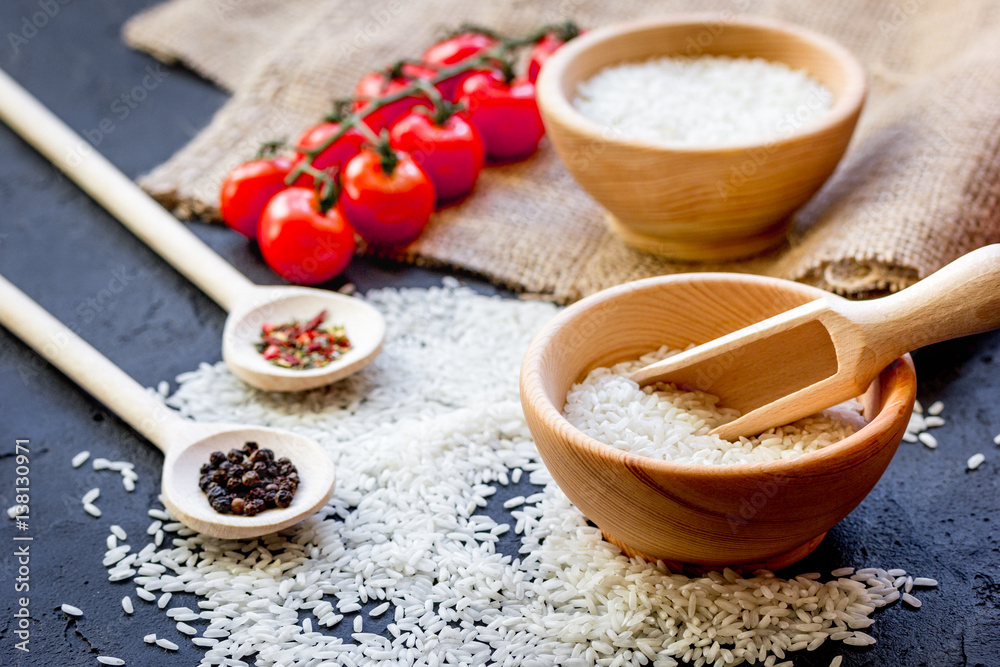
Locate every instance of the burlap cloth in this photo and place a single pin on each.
(919, 185)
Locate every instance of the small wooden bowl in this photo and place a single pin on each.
(765, 514)
(692, 203)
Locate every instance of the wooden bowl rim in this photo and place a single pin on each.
(553, 102)
(897, 405)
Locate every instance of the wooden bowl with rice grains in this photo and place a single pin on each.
(701, 134)
(719, 504)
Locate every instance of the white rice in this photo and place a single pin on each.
(186, 629)
(975, 461)
(90, 496)
(704, 101)
(118, 532)
(663, 422)
(167, 644)
(71, 610)
(127, 605)
(421, 440)
(150, 638)
(109, 660)
(92, 510)
(80, 459)
(916, 429)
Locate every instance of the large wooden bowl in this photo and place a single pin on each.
(770, 513)
(694, 203)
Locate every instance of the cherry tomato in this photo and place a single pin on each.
(544, 48)
(455, 50)
(247, 189)
(301, 244)
(505, 115)
(338, 153)
(386, 208)
(451, 153)
(379, 84)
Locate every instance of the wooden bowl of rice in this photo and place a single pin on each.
(767, 514)
(732, 196)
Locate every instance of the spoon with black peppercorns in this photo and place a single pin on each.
(223, 480)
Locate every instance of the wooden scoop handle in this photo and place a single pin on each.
(87, 367)
(120, 196)
(961, 299)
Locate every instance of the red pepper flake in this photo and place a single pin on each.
(302, 346)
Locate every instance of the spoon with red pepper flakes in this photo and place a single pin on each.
(303, 346)
(296, 494)
(250, 306)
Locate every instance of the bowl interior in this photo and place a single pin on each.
(624, 323)
(699, 35)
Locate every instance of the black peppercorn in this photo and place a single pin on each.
(248, 481)
(222, 504)
(283, 498)
(252, 507)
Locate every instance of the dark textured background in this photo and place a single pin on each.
(927, 515)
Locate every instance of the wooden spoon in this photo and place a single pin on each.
(185, 444)
(829, 350)
(249, 305)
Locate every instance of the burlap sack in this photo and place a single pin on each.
(919, 186)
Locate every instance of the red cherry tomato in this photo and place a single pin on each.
(301, 244)
(455, 50)
(505, 115)
(378, 84)
(247, 189)
(452, 153)
(338, 153)
(541, 51)
(386, 209)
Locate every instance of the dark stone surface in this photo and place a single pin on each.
(928, 514)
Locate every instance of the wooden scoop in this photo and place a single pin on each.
(829, 350)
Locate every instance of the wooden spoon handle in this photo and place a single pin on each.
(87, 367)
(120, 196)
(961, 299)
